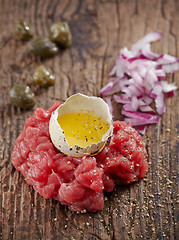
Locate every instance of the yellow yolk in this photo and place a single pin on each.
(83, 128)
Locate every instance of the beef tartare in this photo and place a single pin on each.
(78, 182)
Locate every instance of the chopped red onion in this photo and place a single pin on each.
(170, 94)
(108, 101)
(159, 100)
(137, 74)
(146, 51)
(141, 129)
(139, 115)
(105, 90)
(121, 99)
(171, 67)
(146, 109)
(150, 37)
(147, 100)
(168, 87)
(140, 121)
(165, 58)
(128, 107)
(160, 74)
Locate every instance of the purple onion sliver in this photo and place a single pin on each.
(168, 87)
(138, 121)
(166, 59)
(153, 95)
(138, 115)
(128, 107)
(130, 60)
(121, 98)
(170, 68)
(106, 88)
(124, 57)
(150, 37)
(141, 129)
(170, 94)
(146, 109)
(159, 103)
(161, 77)
(109, 103)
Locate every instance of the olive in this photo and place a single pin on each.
(21, 96)
(60, 33)
(43, 46)
(43, 77)
(23, 30)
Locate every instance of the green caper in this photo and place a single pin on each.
(60, 33)
(43, 47)
(23, 30)
(43, 77)
(21, 96)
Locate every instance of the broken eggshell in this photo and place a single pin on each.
(76, 103)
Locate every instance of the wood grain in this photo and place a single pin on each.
(144, 210)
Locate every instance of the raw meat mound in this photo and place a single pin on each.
(77, 182)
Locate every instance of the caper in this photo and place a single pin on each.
(43, 46)
(23, 30)
(43, 77)
(21, 96)
(60, 33)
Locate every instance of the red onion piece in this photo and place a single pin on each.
(139, 115)
(140, 121)
(108, 101)
(159, 100)
(141, 129)
(165, 58)
(170, 94)
(105, 90)
(170, 68)
(121, 99)
(146, 109)
(150, 37)
(168, 87)
(146, 51)
(160, 74)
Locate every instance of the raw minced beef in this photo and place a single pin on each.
(74, 181)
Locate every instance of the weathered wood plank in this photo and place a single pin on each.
(144, 210)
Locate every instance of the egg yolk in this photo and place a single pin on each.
(83, 128)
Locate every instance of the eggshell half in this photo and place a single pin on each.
(76, 103)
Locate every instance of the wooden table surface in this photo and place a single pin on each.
(144, 210)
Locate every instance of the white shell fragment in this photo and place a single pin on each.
(76, 103)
